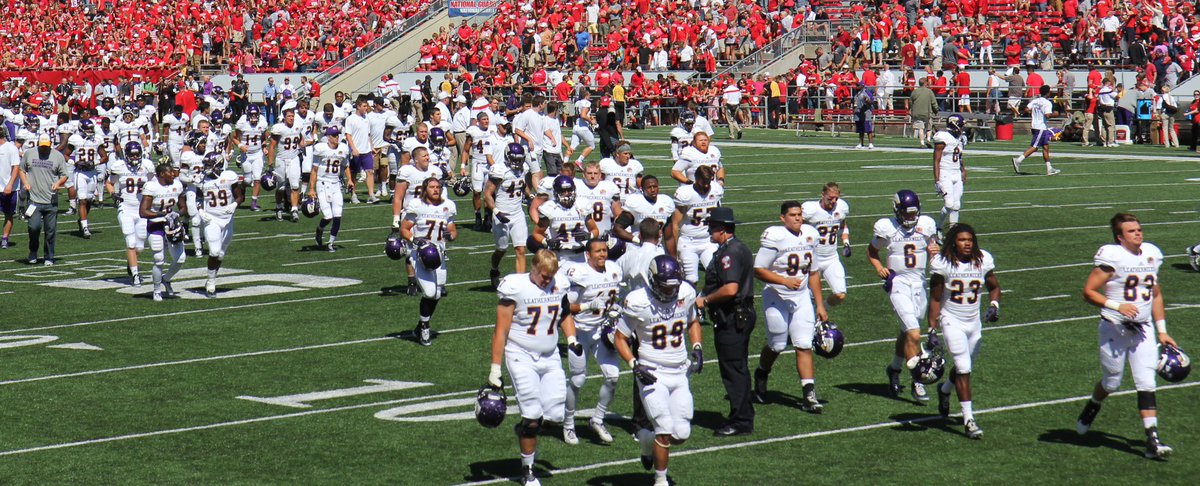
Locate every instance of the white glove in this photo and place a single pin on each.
(938, 187)
(494, 376)
(205, 217)
(593, 305)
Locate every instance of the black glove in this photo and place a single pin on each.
(502, 218)
(846, 251)
(554, 244)
(697, 361)
(993, 313)
(643, 374)
(934, 341)
(581, 235)
(576, 348)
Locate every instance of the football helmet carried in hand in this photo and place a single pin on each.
(428, 253)
(268, 182)
(309, 207)
(616, 248)
(462, 187)
(907, 207)
(828, 340)
(491, 405)
(396, 249)
(1173, 364)
(931, 363)
(174, 230)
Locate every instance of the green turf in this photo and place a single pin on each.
(180, 364)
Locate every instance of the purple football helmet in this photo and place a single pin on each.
(194, 139)
(462, 187)
(309, 207)
(955, 124)
(214, 164)
(932, 363)
(515, 156)
(87, 126)
(396, 249)
(437, 138)
(252, 114)
(828, 340)
(665, 278)
(616, 248)
(1173, 364)
(428, 253)
(133, 151)
(687, 120)
(907, 207)
(216, 119)
(267, 182)
(491, 405)
(564, 190)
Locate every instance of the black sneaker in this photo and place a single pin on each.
(1086, 417)
(943, 402)
(424, 334)
(760, 385)
(893, 381)
(648, 462)
(320, 243)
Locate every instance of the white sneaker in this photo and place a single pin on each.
(1053, 171)
(661, 481)
(210, 288)
(601, 431)
(1016, 161)
(354, 199)
(871, 146)
(859, 146)
(158, 296)
(569, 436)
(137, 280)
(918, 392)
(1193, 258)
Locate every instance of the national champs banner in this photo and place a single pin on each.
(468, 8)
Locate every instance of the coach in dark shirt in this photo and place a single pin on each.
(729, 299)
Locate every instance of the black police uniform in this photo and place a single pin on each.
(734, 320)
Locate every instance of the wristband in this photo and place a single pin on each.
(571, 341)
(995, 303)
(396, 220)
(633, 363)
(1161, 326)
(1112, 304)
(696, 346)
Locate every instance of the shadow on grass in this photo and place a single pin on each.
(505, 468)
(877, 389)
(1092, 439)
(1186, 267)
(621, 479)
(912, 421)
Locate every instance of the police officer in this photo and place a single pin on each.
(729, 299)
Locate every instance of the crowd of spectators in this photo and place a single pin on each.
(240, 36)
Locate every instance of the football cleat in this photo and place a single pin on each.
(810, 403)
(210, 288)
(943, 403)
(1053, 171)
(972, 429)
(320, 241)
(918, 392)
(529, 479)
(760, 385)
(157, 296)
(569, 436)
(1173, 364)
(1154, 448)
(893, 381)
(1193, 258)
(601, 432)
(331, 247)
(168, 291)
(295, 216)
(647, 462)
(1016, 163)
(87, 234)
(1086, 417)
(494, 276)
(137, 280)
(661, 481)
(424, 334)
(278, 215)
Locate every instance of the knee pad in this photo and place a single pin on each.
(1146, 400)
(219, 255)
(529, 428)
(1111, 383)
(577, 380)
(682, 433)
(953, 205)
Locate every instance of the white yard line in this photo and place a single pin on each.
(1049, 297)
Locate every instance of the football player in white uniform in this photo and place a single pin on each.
(829, 215)
(949, 171)
(222, 191)
(646, 204)
(410, 181)
(1124, 284)
(563, 224)
(479, 153)
(636, 258)
(287, 143)
(307, 121)
(503, 195)
(249, 135)
(957, 277)
(439, 152)
(176, 126)
(582, 131)
(161, 207)
(699, 154)
(429, 225)
(126, 178)
(532, 306)
(130, 128)
(325, 182)
(594, 294)
(623, 170)
(86, 149)
(693, 202)
(545, 191)
(909, 239)
(660, 315)
(191, 171)
(602, 197)
(785, 263)
(681, 134)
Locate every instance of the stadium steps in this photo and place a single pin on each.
(784, 52)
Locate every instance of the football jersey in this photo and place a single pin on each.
(329, 161)
(829, 224)
(951, 161)
(191, 163)
(441, 159)
(580, 105)
(177, 128)
(29, 138)
(510, 188)
(129, 132)
(906, 247)
(1133, 279)
(431, 220)
(789, 254)
(113, 114)
(411, 143)
(1038, 109)
(127, 180)
(253, 135)
(692, 158)
(162, 198)
(680, 139)
(599, 202)
(85, 151)
(416, 179)
(660, 210)
(49, 127)
(290, 140)
(481, 145)
(218, 194)
(537, 311)
(587, 285)
(322, 122)
(623, 176)
(306, 122)
(964, 284)
(697, 207)
(661, 327)
(564, 220)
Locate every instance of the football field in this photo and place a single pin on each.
(304, 370)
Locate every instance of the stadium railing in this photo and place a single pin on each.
(434, 8)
